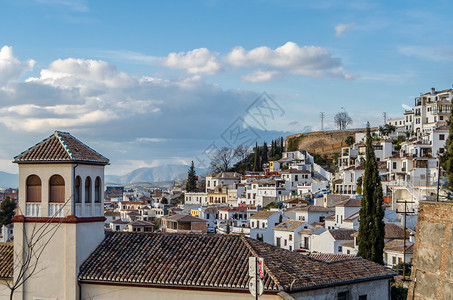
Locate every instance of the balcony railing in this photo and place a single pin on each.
(98, 209)
(33, 209)
(56, 209)
(88, 210)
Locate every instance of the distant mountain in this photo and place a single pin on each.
(154, 174)
(9, 180)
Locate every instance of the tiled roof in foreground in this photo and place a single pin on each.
(213, 262)
(6, 260)
(61, 147)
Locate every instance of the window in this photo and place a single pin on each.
(253, 224)
(290, 238)
(441, 137)
(285, 242)
(117, 228)
(88, 190)
(56, 189)
(362, 297)
(77, 191)
(340, 249)
(278, 242)
(33, 189)
(394, 165)
(441, 118)
(394, 260)
(342, 296)
(97, 190)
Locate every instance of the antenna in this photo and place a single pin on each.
(405, 212)
(322, 120)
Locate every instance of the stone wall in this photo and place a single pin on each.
(321, 141)
(432, 271)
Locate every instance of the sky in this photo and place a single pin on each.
(148, 83)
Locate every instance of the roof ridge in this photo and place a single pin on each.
(63, 143)
(63, 132)
(15, 157)
(274, 278)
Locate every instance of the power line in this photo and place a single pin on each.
(322, 120)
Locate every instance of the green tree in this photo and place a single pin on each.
(280, 218)
(372, 227)
(228, 228)
(164, 201)
(349, 140)
(446, 160)
(359, 185)
(191, 185)
(7, 212)
(264, 153)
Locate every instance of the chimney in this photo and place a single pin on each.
(411, 238)
(433, 91)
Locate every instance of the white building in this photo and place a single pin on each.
(286, 234)
(261, 224)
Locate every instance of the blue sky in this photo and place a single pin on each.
(152, 82)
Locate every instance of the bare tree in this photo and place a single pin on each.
(26, 259)
(222, 159)
(241, 152)
(342, 120)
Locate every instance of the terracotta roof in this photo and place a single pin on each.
(342, 234)
(119, 221)
(184, 218)
(393, 231)
(397, 246)
(294, 171)
(351, 202)
(296, 200)
(330, 257)
(263, 214)
(331, 217)
(288, 225)
(6, 260)
(314, 208)
(349, 244)
(214, 262)
(225, 175)
(352, 217)
(141, 223)
(61, 147)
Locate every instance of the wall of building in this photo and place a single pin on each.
(374, 290)
(432, 272)
(111, 292)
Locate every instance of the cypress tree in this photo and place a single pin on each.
(281, 147)
(7, 212)
(372, 227)
(273, 149)
(191, 185)
(264, 153)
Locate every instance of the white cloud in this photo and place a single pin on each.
(11, 67)
(197, 61)
(74, 5)
(429, 53)
(150, 140)
(340, 29)
(290, 58)
(260, 76)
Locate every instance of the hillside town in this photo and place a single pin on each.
(299, 209)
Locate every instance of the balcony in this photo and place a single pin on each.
(56, 209)
(33, 209)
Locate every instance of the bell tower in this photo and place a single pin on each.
(60, 217)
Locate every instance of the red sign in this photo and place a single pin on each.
(260, 267)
